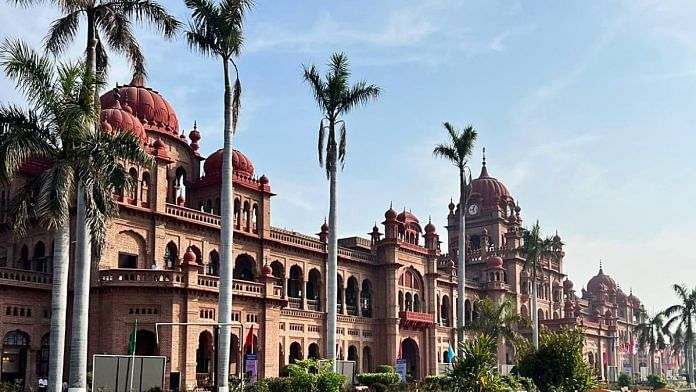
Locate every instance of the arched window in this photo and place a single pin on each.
(209, 206)
(254, 218)
(278, 273)
(313, 290)
(313, 351)
(366, 298)
(42, 357)
(416, 303)
(16, 338)
(145, 188)
(237, 212)
(411, 283)
(339, 297)
(204, 353)
(445, 311)
(171, 255)
(367, 362)
(540, 315)
(353, 353)
(133, 195)
(40, 257)
(246, 212)
(145, 343)
(409, 302)
(213, 267)
(24, 262)
(244, 268)
(352, 296)
(295, 282)
(179, 185)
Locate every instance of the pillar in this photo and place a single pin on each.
(344, 308)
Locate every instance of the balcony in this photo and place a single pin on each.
(25, 278)
(416, 319)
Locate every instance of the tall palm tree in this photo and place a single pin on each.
(650, 335)
(216, 30)
(335, 97)
(458, 151)
(682, 316)
(676, 340)
(497, 320)
(111, 19)
(536, 249)
(58, 128)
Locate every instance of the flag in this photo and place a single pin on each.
(132, 340)
(450, 353)
(398, 356)
(631, 347)
(249, 341)
(605, 358)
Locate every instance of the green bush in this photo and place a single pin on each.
(656, 381)
(278, 384)
(436, 383)
(624, 380)
(259, 386)
(377, 387)
(384, 369)
(381, 378)
(558, 364)
(311, 375)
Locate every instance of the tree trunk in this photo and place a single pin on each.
(461, 259)
(690, 363)
(332, 263)
(226, 237)
(83, 257)
(59, 305)
(535, 315)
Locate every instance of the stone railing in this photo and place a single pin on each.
(417, 319)
(298, 313)
(354, 254)
(251, 289)
(291, 237)
(140, 277)
(192, 215)
(22, 277)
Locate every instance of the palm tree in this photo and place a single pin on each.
(216, 31)
(498, 321)
(682, 316)
(536, 249)
(650, 334)
(476, 370)
(335, 98)
(676, 342)
(458, 151)
(111, 19)
(58, 128)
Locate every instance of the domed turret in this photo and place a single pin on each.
(430, 227)
(115, 118)
(189, 256)
(154, 112)
(267, 270)
(494, 262)
(241, 165)
(487, 192)
(633, 299)
(567, 285)
(195, 136)
(390, 214)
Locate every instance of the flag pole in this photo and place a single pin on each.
(135, 341)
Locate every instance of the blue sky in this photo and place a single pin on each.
(585, 110)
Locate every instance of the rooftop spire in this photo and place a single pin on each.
(484, 170)
(600, 266)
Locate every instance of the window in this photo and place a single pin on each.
(127, 260)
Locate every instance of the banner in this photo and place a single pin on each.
(401, 369)
(250, 368)
(628, 369)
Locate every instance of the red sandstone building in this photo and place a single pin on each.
(395, 287)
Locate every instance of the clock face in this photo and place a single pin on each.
(473, 209)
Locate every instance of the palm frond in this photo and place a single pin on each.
(62, 32)
(24, 137)
(117, 30)
(236, 98)
(342, 145)
(152, 12)
(358, 95)
(320, 144)
(33, 74)
(446, 151)
(311, 75)
(201, 42)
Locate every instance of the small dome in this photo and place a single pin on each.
(494, 262)
(189, 257)
(451, 206)
(158, 144)
(375, 229)
(240, 164)
(267, 270)
(117, 119)
(154, 112)
(390, 214)
(430, 228)
(263, 180)
(324, 227)
(633, 299)
(620, 295)
(567, 285)
(407, 217)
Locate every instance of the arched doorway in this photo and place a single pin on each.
(314, 290)
(353, 354)
(14, 356)
(313, 351)
(244, 268)
(204, 356)
(295, 352)
(235, 355)
(43, 356)
(367, 364)
(409, 352)
(145, 343)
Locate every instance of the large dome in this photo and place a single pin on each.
(595, 284)
(241, 165)
(154, 112)
(488, 191)
(115, 118)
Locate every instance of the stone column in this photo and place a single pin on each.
(344, 308)
(303, 293)
(359, 303)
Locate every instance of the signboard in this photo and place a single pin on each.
(346, 368)
(401, 369)
(643, 373)
(250, 368)
(612, 375)
(118, 372)
(628, 369)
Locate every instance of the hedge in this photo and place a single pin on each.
(381, 378)
(384, 369)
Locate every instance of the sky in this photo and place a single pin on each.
(586, 110)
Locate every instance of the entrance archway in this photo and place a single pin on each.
(313, 351)
(145, 343)
(295, 352)
(204, 356)
(409, 352)
(14, 356)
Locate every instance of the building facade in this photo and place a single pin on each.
(397, 287)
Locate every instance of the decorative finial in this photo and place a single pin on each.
(429, 219)
(600, 265)
(484, 156)
(390, 204)
(195, 125)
